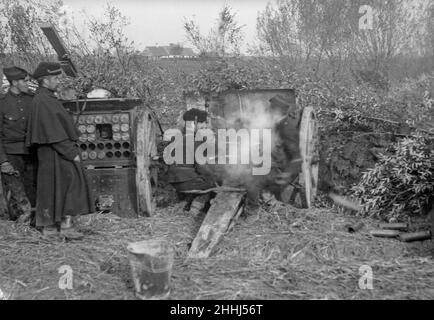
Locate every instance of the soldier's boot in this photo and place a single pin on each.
(251, 212)
(50, 232)
(25, 218)
(186, 203)
(198, 204)
(179, 207)
(19, 206)
(67, 223)
(71, 234)
(27, 215)
(68, 231)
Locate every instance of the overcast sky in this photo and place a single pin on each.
(161, 21)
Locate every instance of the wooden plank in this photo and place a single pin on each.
(146, 149)
(225, 206)
(309, 154)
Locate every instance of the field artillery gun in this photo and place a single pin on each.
(295, 134)
(297, 130)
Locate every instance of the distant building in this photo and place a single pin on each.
(170, 51)
(156, 52)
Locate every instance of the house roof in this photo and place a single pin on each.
(166, 51)
(188, 52)
(157, 51)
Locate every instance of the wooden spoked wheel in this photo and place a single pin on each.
(146, 149)
(309, 149)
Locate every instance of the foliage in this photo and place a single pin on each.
(430, 29)
(223, 40)
(108, 35)
(221, 75)
(305, 30)
(21, 40)
(401, 183)
(325, 35)
(412, 100)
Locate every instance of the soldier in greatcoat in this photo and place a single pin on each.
(62, 188)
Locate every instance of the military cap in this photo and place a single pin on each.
(47, 69)
(15, 73)
(191, 115)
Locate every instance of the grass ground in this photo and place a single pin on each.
(277, 253)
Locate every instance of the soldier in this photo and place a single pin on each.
(286, 157)
(191, 177)
(286, 154)
(63, 192)
(18, 176)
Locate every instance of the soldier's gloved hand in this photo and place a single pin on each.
(7, 168)
(77, 159)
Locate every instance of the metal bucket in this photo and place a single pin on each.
(151, 267)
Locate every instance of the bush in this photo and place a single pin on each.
(401, 183)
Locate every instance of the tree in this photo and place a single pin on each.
(224, 39)
(21, 40)
(109, 35)
(3, 39)
(430, 29)
(391, 34)
(317, 32)
(307, 32)
(277, 31)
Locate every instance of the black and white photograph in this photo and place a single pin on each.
(233, 152)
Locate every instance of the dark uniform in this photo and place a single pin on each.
(62, 187)
(285, 156)
(19, 187)
(185, 177)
